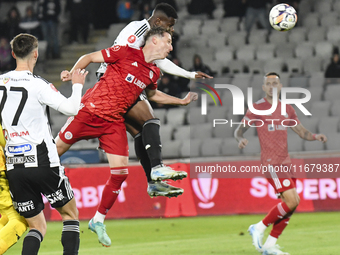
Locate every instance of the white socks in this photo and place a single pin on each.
(261, 227)
(98, 217)
(270, 242)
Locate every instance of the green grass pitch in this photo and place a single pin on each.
(307, 233)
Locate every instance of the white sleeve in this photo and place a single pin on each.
(70, 106)
(53, 98)
(169, 67)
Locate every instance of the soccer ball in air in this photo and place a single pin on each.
(282, 17)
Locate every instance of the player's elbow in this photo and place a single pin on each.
(72, 111)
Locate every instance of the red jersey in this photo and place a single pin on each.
(127, 75)
(273, 135)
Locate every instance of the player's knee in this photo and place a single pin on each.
(293, 202)
(69, 211)
(117, 178)
(62, 147)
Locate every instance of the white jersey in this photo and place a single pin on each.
(132, 35)
(24, 97)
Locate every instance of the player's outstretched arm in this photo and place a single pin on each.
(83, 62)
(162, 98)
(169, 67)
(70, 106)
(305, 134)
(238, 134)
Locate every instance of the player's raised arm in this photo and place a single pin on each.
(238, 134)
(307, 135)
(169, 67)
(162, 98)
(83, 62)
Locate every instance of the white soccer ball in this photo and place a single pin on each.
(282, 17)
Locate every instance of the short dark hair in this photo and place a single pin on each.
(23, 44)
(167, 9)
(271, 73)
(156, 31)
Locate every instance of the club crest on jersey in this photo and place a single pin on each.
(6, 80)
(135, 64)
(286, 183)
(19, 149)
(68, 135)
(151, 74)
(129, 78)
(132, 39)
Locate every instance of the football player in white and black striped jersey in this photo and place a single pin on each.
(139, 120)
(33, 165)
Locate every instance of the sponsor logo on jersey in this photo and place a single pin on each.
(19, 149)
(20, 159)
(129, 78)
(6, 80)
(68, 135)
(135, 64)
(151, 74)
(131, 39)
(52, 87)
(116, 48)
(22, 133)
(139, 83)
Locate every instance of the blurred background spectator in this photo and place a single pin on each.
(125, 10)
(48, 13)
(30, 24)
(202, 7)
(198, 65)
(167, 85)
(145, 9)
(256, 11)
(11, 25)
(7, 62)
(183, 83)
(234, 8)
(332, 73)
(80, 17)
(104, 14)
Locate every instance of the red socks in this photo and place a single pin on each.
(279, 226)
(112, 188)
(276, 213)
